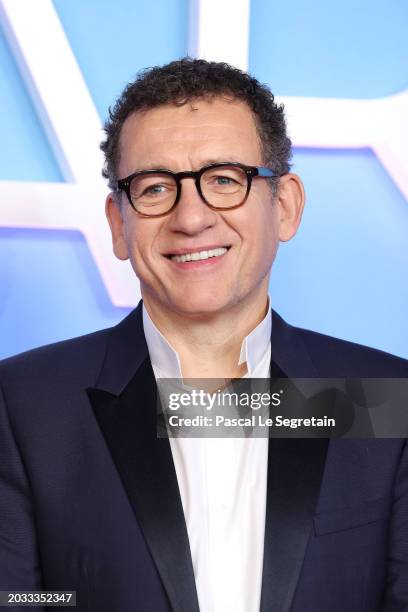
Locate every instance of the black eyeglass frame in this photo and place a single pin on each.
(250, 171)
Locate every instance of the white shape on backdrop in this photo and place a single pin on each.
(219, 31)
(72, 125)
(71, 122)
(380, 124)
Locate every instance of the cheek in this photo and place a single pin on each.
(264, 232)
(140, 240)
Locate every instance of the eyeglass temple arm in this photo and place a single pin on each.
(266, 172)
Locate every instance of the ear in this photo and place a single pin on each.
(291, 201)
(114, 215)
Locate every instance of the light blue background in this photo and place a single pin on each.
(344, 274)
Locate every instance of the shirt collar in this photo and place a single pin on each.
(256, 344)
(166, 362)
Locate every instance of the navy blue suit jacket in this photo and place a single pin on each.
(89, 499)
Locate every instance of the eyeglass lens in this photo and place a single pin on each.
(222, 187)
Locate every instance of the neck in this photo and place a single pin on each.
(209, 346)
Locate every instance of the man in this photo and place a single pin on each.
(197, 158)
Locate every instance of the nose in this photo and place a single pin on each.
(191, 215)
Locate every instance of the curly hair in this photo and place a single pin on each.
(187, 79)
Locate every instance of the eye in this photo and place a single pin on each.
(151, 188)
(223, 180)
(157, 189)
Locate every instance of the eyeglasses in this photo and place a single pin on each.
(223, 186)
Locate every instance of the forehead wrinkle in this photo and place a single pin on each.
(182, 136)
(180, 157)
(184, 119)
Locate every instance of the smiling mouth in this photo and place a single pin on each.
(199, 255)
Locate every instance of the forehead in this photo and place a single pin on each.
(197, 132)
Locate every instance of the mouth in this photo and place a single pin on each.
(198, 255)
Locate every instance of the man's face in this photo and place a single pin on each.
(182, 138)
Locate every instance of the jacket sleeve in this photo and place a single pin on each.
(396, 593)
(19, 558)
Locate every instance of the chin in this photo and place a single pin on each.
(200, 305)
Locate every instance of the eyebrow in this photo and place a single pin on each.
(207, 162)
(222, 160)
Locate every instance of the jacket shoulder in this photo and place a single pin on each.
(76, 358)
(350, 359)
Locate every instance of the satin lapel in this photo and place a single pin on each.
(295, 470)
(145, 466)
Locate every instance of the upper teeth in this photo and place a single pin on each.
(198, 256)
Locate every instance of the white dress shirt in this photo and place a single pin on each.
(222, 483)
